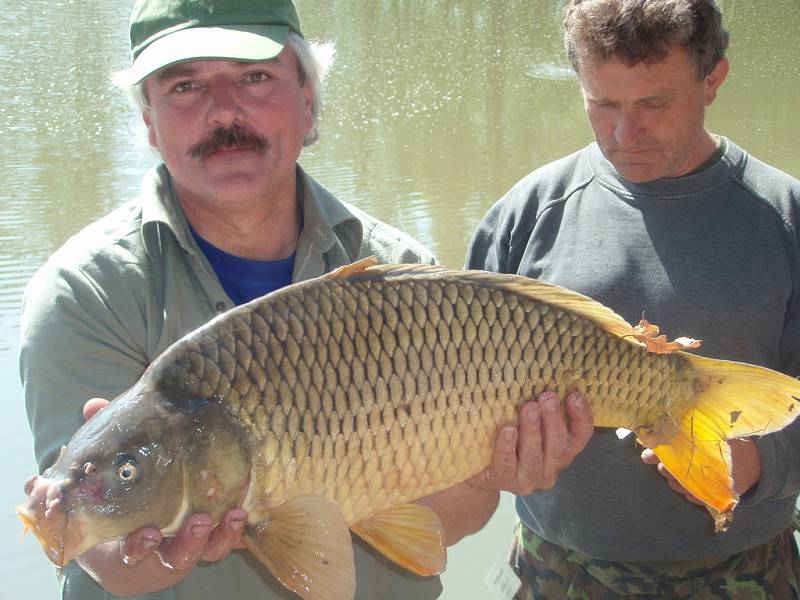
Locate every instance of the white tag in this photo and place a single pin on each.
(502, 580)
(622, 433)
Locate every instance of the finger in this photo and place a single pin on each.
(139, 545)
(530, 451)
(501, 472)
(580, 424)
(94, 406)
(675, 485)
(555, 439)
(649, 457)
(226, 536)
(29, 484)
(184, 550)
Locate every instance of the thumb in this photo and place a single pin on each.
(94, 406)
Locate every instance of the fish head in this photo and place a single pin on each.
(122, 470)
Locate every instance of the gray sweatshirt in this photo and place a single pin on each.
(714, 256)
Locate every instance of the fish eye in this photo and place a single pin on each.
(127, 472)
(127, 468)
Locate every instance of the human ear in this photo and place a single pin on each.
(714, 79)
(151, 131)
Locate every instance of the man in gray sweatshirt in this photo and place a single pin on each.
(660, 216)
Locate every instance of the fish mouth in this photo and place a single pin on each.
(49, 530)
(47, 516)
(62, 539)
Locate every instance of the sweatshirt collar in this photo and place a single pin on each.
(698, 183)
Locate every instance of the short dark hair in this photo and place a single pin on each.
(636, 31)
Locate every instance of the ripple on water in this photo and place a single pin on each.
(14, 275)
(552, 72)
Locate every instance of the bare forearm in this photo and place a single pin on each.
(746, 465)
(525, 459)
(463, 509)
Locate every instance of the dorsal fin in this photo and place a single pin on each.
(352, 269)
(547, 293)
(564, 299)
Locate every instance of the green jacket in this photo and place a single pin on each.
(118, 293)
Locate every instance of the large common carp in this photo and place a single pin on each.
(332, 404)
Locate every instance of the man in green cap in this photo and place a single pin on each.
(229, 92)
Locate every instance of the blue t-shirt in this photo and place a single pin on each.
(245, 279)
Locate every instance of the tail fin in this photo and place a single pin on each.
(733, 400)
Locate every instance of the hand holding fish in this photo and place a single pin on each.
(146, 558)
(525, 459)
(197, 540)
(530, 457)
(745, 468)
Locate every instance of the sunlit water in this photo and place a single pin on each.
(434, 109)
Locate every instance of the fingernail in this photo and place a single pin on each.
(550, 402)
(200, 531)
(237, 524)
(508, 433)
(532, 414)
(149, 543)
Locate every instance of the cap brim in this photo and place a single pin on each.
(245, 42)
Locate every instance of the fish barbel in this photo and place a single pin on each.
(330, 405)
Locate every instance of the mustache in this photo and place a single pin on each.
(229, 137)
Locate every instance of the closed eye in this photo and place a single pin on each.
(604, 103)
(655, 104)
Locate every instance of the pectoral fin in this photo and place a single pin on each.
(306, 545)
(410, 535)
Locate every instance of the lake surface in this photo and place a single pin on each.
(434, 109)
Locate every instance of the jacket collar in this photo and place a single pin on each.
(328, 225)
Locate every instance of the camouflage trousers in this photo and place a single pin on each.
(550, 572)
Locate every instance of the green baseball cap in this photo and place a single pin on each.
(166, 32)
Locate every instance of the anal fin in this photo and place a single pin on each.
(306, 545)
(410, 535)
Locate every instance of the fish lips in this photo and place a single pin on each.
(61, 538)
(49, 530)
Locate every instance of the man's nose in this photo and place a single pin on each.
(224, 107)
(628, 128)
